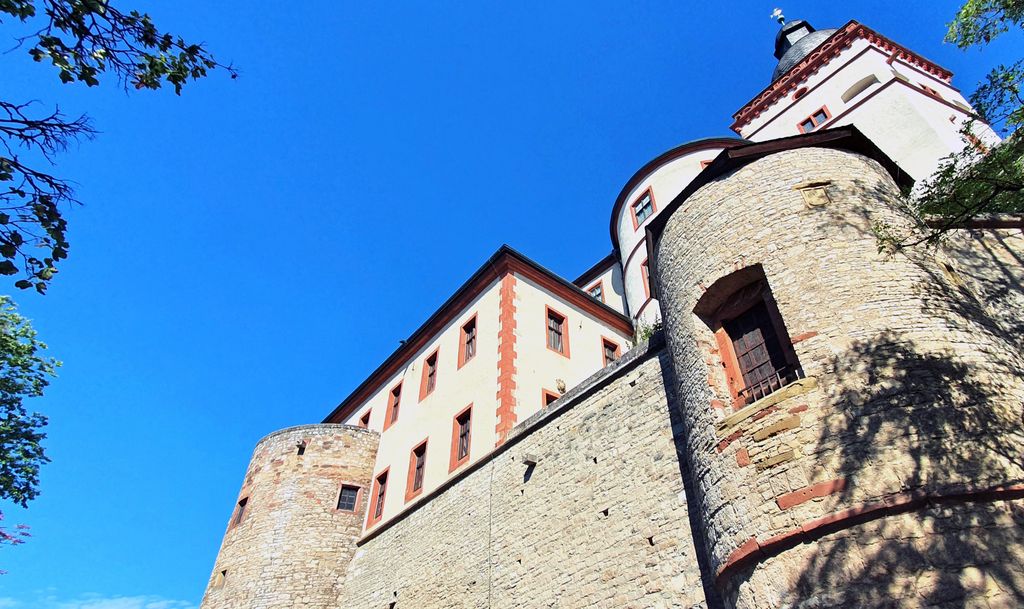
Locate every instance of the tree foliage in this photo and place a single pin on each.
(83, 40)
(978, 180)
(24, 373)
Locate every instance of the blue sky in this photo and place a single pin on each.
(249, 251)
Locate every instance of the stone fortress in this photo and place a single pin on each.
(744, 405)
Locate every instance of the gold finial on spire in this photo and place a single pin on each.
(778, 16)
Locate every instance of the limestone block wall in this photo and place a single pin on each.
(600, 520)
(291, 545)
(892, 474)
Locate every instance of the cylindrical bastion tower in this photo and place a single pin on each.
(853, 419)
(296, 520)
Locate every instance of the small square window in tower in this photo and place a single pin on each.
(348, 499)
(815, 120)
(643, 208)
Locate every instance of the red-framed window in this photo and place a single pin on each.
(364, 421)
(643, 208)
(417, 470)
(462, 435)
(753, 343)
(557, 332)
(467, 341)
(704, 164)
(645, 274)
(548, 397)
(394, 405)
(930, 91)
(429, 381)
(815, 120)
(380, 490)
(597, 291)
(348, 497)
(610, 350)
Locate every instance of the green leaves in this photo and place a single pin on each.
(978, 22)
(24, 373)
(85, 41)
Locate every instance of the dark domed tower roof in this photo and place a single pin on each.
(795, 41)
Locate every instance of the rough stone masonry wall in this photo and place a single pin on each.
(891, 475)
(599, 521)
(292, 545)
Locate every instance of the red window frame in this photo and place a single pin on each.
(414, 460)
(464, 355)
(547, 397)
(816, 124)
(394, 406)
(549, 313)
(455, 460)
(598, 285)
(605, 343)
(380, 489)
(645, 275)
(364, 421)
(427, 386)
(632, 208)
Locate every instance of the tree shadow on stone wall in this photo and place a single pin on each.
(908, 423)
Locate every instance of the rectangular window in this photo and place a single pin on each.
(610, 349)
(758, 351)
(461, 435)
(380, 492)
(548, 397)
(468, 342)
(429, 380)
(645, 274)
(348, 499)
(417, 467)
(557, 332)
(815, 120)
(643, 208)
(597, 291)
(394, 405)
(364, 421)
(240, 510)
(930, 91)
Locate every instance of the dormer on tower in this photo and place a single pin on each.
(853, 75)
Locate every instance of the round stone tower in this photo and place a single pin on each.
(853, 419)
(297, 518)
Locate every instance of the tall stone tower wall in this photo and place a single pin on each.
(891, 474)
(291, 544)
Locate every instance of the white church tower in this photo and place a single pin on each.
(853, 75)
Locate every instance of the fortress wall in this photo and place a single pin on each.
(892, 474)
(600, 521)
(291, 547)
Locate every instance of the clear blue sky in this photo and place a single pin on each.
(249, 251)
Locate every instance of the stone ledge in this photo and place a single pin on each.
(311, 426)
(797, 387)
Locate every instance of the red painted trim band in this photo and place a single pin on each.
(753, 551)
